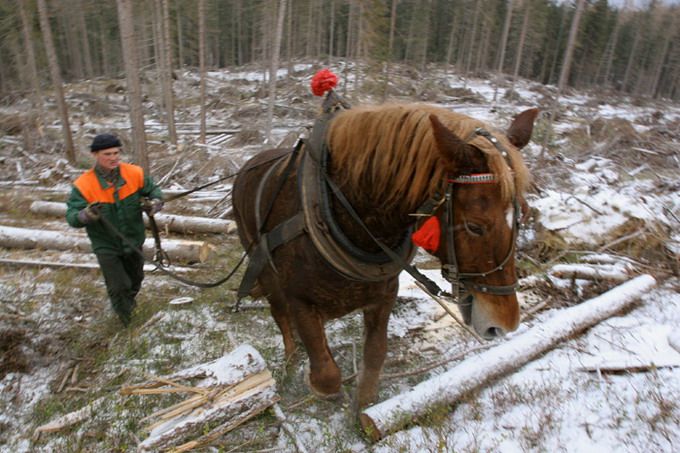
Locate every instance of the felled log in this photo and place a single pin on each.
(27, 238)
(175, 223)
(92, 266)
(394, 413)
(230, 390)
(615, 272)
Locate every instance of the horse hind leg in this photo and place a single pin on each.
(323, 377)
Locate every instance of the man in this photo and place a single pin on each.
(108, 201)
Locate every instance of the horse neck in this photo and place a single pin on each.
(387, 223)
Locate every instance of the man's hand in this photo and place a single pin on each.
(153, 206)
(89, 214)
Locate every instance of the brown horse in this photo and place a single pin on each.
(388, 161)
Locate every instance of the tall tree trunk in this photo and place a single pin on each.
(472, 38)
(56, 80)
(632, 58)
(180, 36)
(393, 26)
(605, 66)
(201, 64)
(82, 27)
(670, 31)
(349, 48)
(520, 44)
(134, 91)
(504, 36)
(503, 45)
(74, 54)
(571, 45)
(273, 68)
(450, 45)
(36, 95)
(168, 94)
(331, 33)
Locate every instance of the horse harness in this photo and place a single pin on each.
(316, 220)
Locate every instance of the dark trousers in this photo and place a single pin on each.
(123, 275)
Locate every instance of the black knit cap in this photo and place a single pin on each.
(105, 141)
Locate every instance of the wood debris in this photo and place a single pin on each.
(229, 391)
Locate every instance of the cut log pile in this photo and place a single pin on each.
(230, 391)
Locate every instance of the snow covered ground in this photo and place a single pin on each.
(615, 387)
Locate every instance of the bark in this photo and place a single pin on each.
(175, 223)
(134, 90)
(392, 414)
(55, 74)
(571, 45)
(26, 238)
(273, 68)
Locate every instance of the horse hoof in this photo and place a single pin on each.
(323, 395)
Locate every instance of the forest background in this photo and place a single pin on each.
(626, 47)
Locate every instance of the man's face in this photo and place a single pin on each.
(108, 159)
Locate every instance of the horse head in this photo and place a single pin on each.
(479, 217)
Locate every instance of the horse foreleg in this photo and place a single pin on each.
(375, 350)
(324, 377)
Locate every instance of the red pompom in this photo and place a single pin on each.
(323, 81)
(428, 235)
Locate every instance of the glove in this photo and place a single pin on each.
(152, 207)
(89, 214)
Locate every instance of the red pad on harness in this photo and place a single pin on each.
(427, 236)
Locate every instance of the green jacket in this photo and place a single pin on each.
(120, 203)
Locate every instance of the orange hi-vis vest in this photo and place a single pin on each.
(90, 188)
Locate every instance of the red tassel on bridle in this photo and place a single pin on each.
(428, 235)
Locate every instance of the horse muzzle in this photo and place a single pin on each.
(491, 316)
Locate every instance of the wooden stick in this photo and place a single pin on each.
(391, 415)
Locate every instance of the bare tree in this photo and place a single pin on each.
(571, 45)
(55, 74)
(32, 67)
(273, 68)
(82, 27)
(503, 45)
(134, 90)
(201, 60)
(522, 39)
(166, 53)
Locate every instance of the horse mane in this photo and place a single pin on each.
(389, 152)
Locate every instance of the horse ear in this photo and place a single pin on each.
(519, 132)
(453, 149)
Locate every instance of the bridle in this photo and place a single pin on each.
(461, 281)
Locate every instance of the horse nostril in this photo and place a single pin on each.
(493, 332)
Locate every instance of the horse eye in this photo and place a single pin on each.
(474, 229)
